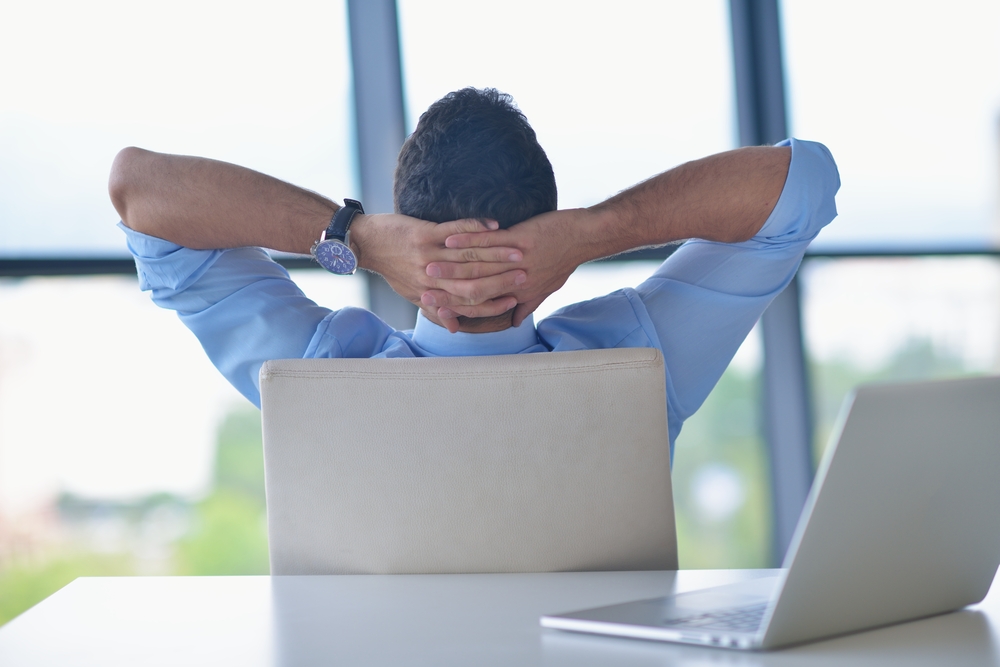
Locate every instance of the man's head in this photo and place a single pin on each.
(474, 155)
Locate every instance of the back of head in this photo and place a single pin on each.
(474, 155)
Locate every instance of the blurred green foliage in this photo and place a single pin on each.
(239, 455)
(227, 533)
(724, 432)
(229, 537)
(917, 359)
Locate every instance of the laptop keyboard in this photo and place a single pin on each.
(740, 619)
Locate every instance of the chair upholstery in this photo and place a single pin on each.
(521, 463)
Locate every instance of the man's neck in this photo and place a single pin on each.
(476, 324)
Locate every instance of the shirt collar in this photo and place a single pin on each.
(437, 341)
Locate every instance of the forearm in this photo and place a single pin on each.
(201, 203)
(726, 197)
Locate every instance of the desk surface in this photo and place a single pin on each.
(423, 620)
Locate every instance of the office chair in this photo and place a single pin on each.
(523, 463)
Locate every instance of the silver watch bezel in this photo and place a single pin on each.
(323, 241)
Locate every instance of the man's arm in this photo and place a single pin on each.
(725, 197)
(207, 204)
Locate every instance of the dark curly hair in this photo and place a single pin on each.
(474, 155)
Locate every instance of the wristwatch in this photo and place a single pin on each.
(333, 249)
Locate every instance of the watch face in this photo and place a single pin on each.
(336, 257)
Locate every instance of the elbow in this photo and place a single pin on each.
(744, 232)
(122, 180)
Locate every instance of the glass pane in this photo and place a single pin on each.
(616, 92)
(122, 449)
(235, 81)
(907, 97)
(596, 279)
(720, 473)
(899, 319)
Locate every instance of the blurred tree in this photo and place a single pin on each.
(723, 437)
(916, 359)
(229, 535)
(239, 454)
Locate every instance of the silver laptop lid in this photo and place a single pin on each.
(520, 463)
(903, 520)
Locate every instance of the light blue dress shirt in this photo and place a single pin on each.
(696, 308)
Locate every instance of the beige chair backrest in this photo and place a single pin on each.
(522, 463)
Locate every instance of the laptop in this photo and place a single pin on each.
(902, 522)
(519, 463)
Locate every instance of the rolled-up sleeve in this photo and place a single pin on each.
(807, 202)
(706, 297)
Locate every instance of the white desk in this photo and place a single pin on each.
(422, 620)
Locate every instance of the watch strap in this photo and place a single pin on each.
(340, 223)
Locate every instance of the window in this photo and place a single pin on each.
(122, 451)
(896, 320)
(907, 97)
(233, 81)
(609, 112)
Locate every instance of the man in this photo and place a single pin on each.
(474, 166)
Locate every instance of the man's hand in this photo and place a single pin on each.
(402, 249)
(552, 245)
